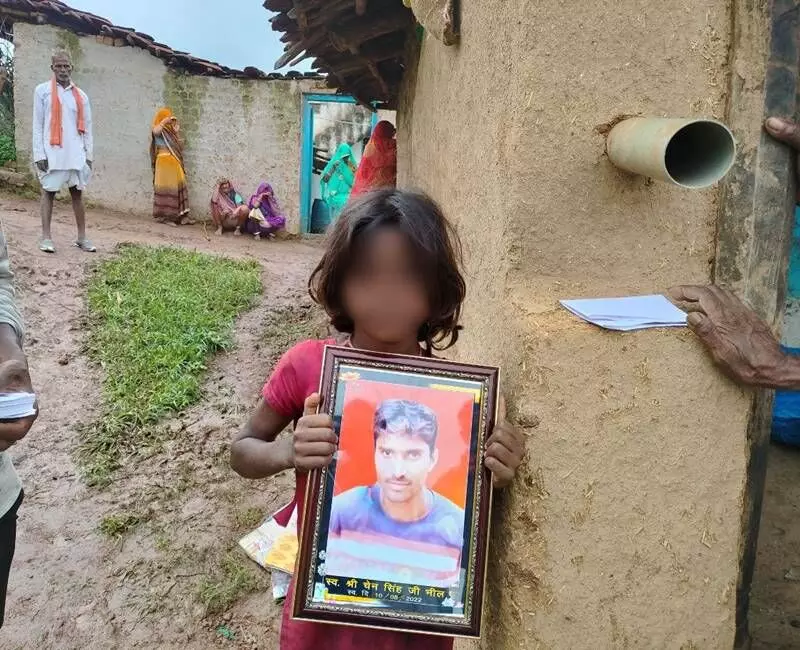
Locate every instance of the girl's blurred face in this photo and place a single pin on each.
(384, 293)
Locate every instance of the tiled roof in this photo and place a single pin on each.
(359, 44)
(58, 14)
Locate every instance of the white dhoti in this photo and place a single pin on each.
(55, 179)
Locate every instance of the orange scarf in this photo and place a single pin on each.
(56, 128)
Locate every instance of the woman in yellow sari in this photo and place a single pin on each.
(170, 193)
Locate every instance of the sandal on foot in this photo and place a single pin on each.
(86, 246)
(47, 246)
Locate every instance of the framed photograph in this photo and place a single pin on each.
(395, 530)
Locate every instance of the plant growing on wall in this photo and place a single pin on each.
(7, 147)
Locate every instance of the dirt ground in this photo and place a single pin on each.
(775, 605)
(73, 587)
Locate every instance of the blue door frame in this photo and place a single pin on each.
(307, 150)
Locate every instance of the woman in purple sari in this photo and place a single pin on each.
(265, 213)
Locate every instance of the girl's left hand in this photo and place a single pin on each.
(505, 449)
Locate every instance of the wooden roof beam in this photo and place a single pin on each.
(365, 30)
(382, 49)
(300, 15)
(282, 23)
(353, 63)
(329, 12)
(277, 5)
(346, 67)
(360, 85)
(373, 68)
(295, 50)
(290, 54)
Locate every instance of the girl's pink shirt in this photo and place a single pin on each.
(297, 376)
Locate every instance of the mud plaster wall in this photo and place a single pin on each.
(248, 130)
(625, 528)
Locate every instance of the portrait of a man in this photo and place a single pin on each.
(398, 528)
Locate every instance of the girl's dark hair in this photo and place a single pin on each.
(437, 251)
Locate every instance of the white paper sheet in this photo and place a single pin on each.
(628, 313)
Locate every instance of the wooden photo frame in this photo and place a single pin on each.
(395, 530)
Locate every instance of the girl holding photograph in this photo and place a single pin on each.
(390, 281)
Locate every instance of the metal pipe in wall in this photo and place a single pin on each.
(691, 153)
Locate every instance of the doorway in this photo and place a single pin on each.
(329, 121)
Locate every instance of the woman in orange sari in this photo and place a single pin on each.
(170, 193)
(378, 166)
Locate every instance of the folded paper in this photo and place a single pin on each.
(629, 313)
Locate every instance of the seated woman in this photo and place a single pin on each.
(265, 214)
(228, 209)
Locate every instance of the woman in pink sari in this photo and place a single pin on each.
(378, 166)
(228, 209)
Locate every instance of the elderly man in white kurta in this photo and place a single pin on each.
(62, 146)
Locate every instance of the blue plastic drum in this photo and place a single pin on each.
(786, 413)
(320, 217)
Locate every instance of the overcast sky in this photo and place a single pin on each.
(235, 33)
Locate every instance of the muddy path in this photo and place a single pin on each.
(775, 598)
(74, 587)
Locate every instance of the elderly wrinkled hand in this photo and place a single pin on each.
(740, 342)
(788, 132)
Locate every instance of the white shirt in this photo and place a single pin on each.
(77, 148)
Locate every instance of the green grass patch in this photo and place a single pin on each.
(249, 518)
(155, 317)
(115, 526)
(235, 579)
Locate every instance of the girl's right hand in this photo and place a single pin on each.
(314, 439)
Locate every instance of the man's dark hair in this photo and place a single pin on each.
(408, 418)
(437, 251)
